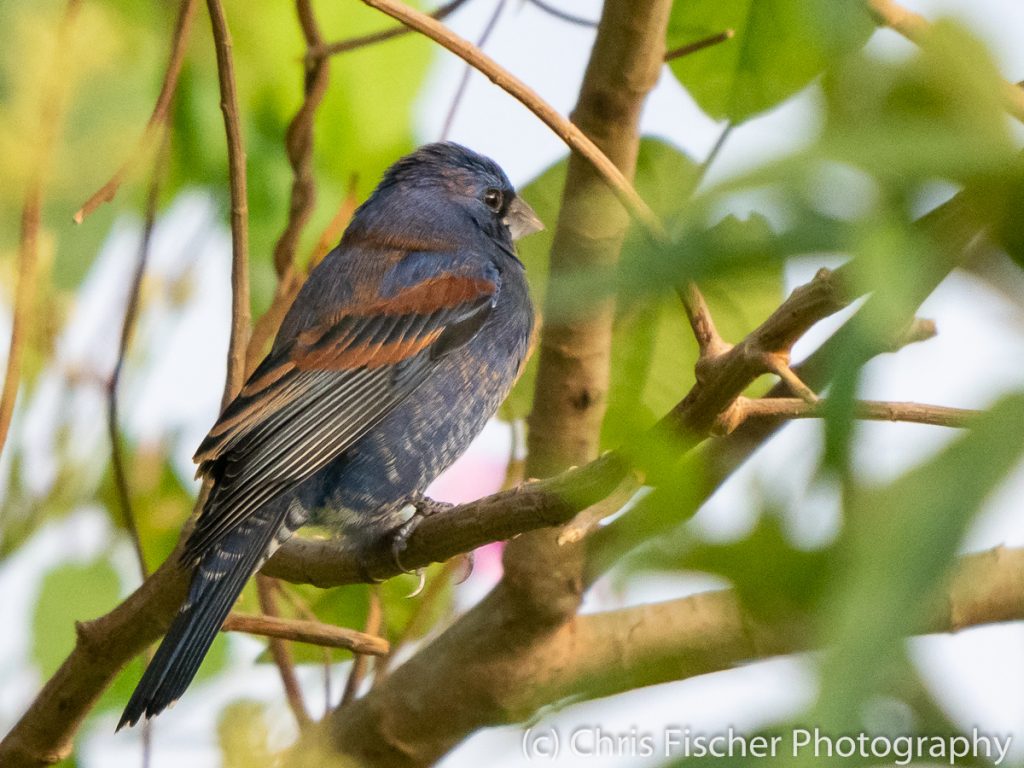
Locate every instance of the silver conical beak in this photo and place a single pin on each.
(521, 220)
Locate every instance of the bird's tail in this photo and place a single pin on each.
(218, 580)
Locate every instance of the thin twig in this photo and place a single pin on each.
(127, 328)
(282, 653)
(239, 205)
(460, 92)
(301, 607)
(158, 117)
(870, 410)
(309, 632)
(344, 46)
(699, 45)
(916, 28)
(561, 126)
(299, 141)
(50, 114)
(374, 620)
(709, 341)
(558, 13)
(702, 171)
(778, 363)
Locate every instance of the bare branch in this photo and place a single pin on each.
(127, 328)
(700, 45)
(344, 46)
(872, 410)
(374, 620)
(239, 205)
(281, 653)
(157, 119)
(310, 632)
(558, 13)
(299, 142)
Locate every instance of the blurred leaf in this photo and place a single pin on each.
(160, 502)
(773, 578)
(938, 114)
(69, 593)
(901, 542)
(653, 348)
(778, 48)
(244, 736)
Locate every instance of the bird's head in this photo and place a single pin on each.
(441, 187)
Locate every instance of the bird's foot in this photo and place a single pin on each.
(416, 511)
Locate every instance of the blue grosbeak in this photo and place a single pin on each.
(398, 348)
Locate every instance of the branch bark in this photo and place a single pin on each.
(240, 311)
(299, 142)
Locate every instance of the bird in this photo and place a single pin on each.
(398, 348)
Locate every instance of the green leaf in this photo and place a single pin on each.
(778, 47)
(69, 593)
(244, 736)
(901, 542)
(938, 114)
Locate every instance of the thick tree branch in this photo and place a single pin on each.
(710, 632)
(543, 571)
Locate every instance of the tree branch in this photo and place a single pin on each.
(240, 320)
(310, 632)
(700, 45)
(299, 142)
(344, 46)
(710, 631)
(127, 328)
(280, 652)
(872, 410)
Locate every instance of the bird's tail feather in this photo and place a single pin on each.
(216, 584)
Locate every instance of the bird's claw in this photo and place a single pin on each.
(470, 560)
(400, 537)
(421, 574)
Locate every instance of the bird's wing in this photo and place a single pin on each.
(315, 396)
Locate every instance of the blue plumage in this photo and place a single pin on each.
(399, 347)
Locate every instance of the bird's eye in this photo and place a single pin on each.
(494, 199)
